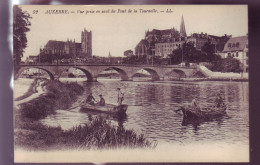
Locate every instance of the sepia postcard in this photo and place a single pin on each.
(130, 83)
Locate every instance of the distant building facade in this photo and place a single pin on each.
(71, 48)
(86, 43)
(32, 59)
(142, 48)
(147, 46)
(161, 43)
(199, 40)
(237, 47)
(165, 48)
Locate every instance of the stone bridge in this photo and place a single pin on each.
(157, 72)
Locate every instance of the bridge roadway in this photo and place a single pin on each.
(158, 72)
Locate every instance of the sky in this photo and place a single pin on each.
(117, 32)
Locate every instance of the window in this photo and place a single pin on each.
(229, 45)
(237, 44)
(236, 54)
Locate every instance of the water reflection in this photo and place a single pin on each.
(199, 121)
(151, 110)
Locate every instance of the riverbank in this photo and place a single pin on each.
(223, 76)
(209, 79)
(51, 95)
(31, 134)
(36, 89)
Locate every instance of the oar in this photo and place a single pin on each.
(146, 104)
(73, 107)
(80, 104)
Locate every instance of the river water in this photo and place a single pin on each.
(151, 110)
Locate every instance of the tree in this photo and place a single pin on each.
(176, 56)
(187, 52)
(228, 64)
(209, 50)
(20, 27)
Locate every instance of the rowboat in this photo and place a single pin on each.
(108, 108)
(206, 113)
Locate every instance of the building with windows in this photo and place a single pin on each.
(161, 43)
(148, 45)
(143, 48)
(199, 40)
(237, 47)
(163, 49)
(71, 48)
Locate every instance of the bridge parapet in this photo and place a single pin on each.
(114, 65)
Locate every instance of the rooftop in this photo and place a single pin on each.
(236, 44)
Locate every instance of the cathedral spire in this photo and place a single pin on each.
(109, 55)
(182, 28)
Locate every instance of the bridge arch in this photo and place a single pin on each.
(88, 74)
(22, 69)
(153, 73)
(199, 74)
(121, 72)
(180, 73)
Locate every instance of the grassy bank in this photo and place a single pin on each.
(99, 134)
(58, 96)
(30, 134)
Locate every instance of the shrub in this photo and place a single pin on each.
(228, 64)
(101, 134)
(39, 107)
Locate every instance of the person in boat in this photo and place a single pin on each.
(102, 101)
(194, 106)
(120, 97)
(90, 100)
(219, 101)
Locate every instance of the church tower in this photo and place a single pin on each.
(86, 43)
(109, 54)
(182, 28)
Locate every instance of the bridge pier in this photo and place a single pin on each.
(55, 77)
(128, 79)
(93, 79)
